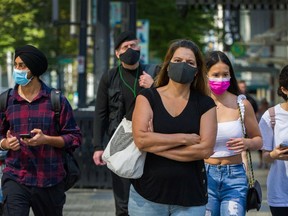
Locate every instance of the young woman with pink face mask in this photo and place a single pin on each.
(227, 182)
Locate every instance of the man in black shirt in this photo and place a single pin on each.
(243, 89)
(116, 96)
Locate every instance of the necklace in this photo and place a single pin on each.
(133, 90)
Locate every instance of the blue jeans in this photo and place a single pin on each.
(139, 206)
(227, 190)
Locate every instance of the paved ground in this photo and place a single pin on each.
(93, 202)
(89, 202)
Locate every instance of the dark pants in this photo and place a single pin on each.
(279, 211)
(19, 198)
(121, 188)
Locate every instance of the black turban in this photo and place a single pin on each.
(33, 58)
(124, 36)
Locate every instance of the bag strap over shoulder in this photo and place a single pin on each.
(241, 107)
(250, 171)
(3, 102)
(56, 106)
(271, 111)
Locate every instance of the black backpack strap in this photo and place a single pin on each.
(56, 106)
(3, 102)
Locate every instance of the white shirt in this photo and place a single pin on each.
(225, 131)
(277, 180)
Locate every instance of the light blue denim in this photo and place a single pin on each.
(227, 190)
(139, 206)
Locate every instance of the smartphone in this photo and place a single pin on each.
(284, 145)
(27, 136)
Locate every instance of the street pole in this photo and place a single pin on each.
(82, 58)
(132, 15)
(101, 41)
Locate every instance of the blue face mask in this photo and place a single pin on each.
(20, 77)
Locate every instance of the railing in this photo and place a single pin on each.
(92, 176)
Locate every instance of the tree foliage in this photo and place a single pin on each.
(29, 22)
(167, 24)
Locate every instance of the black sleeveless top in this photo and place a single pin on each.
(168, 181)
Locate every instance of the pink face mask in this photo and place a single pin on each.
(219, 85)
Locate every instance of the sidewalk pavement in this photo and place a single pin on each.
(89, 202)
(99, 202)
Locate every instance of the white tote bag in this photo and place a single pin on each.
(122, 155)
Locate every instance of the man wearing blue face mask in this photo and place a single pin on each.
(116, 95)
(34, 172)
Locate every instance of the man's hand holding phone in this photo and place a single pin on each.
(25, 136)
(280, 152)
(35, 138)
(284, 146)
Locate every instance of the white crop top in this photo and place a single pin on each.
(226, 130)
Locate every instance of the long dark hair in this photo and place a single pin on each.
(213, 58)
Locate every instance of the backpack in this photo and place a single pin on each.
(70, 163)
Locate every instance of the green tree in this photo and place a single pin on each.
(29, 22)
(167, 24)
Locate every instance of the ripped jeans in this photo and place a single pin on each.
(227, 190)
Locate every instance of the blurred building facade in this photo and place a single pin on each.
(255, 36)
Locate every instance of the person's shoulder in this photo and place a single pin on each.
(45, 89)
(246, 102)
(110, 72)
(109, 75)
(265, 118)
(148, 92)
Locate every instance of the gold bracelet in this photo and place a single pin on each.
(1, 144)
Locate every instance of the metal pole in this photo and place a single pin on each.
(82, 58)
(132, 15)
(102, 41)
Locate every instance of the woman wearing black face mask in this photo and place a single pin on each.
(175, 123)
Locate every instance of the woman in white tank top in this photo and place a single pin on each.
(227, 182)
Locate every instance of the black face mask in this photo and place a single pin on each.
(130, 57)
(181, 72)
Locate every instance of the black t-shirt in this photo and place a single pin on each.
(130, 87)
(168, 181)
(253, 102)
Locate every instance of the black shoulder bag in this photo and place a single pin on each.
(254, 193)
(71, 166)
